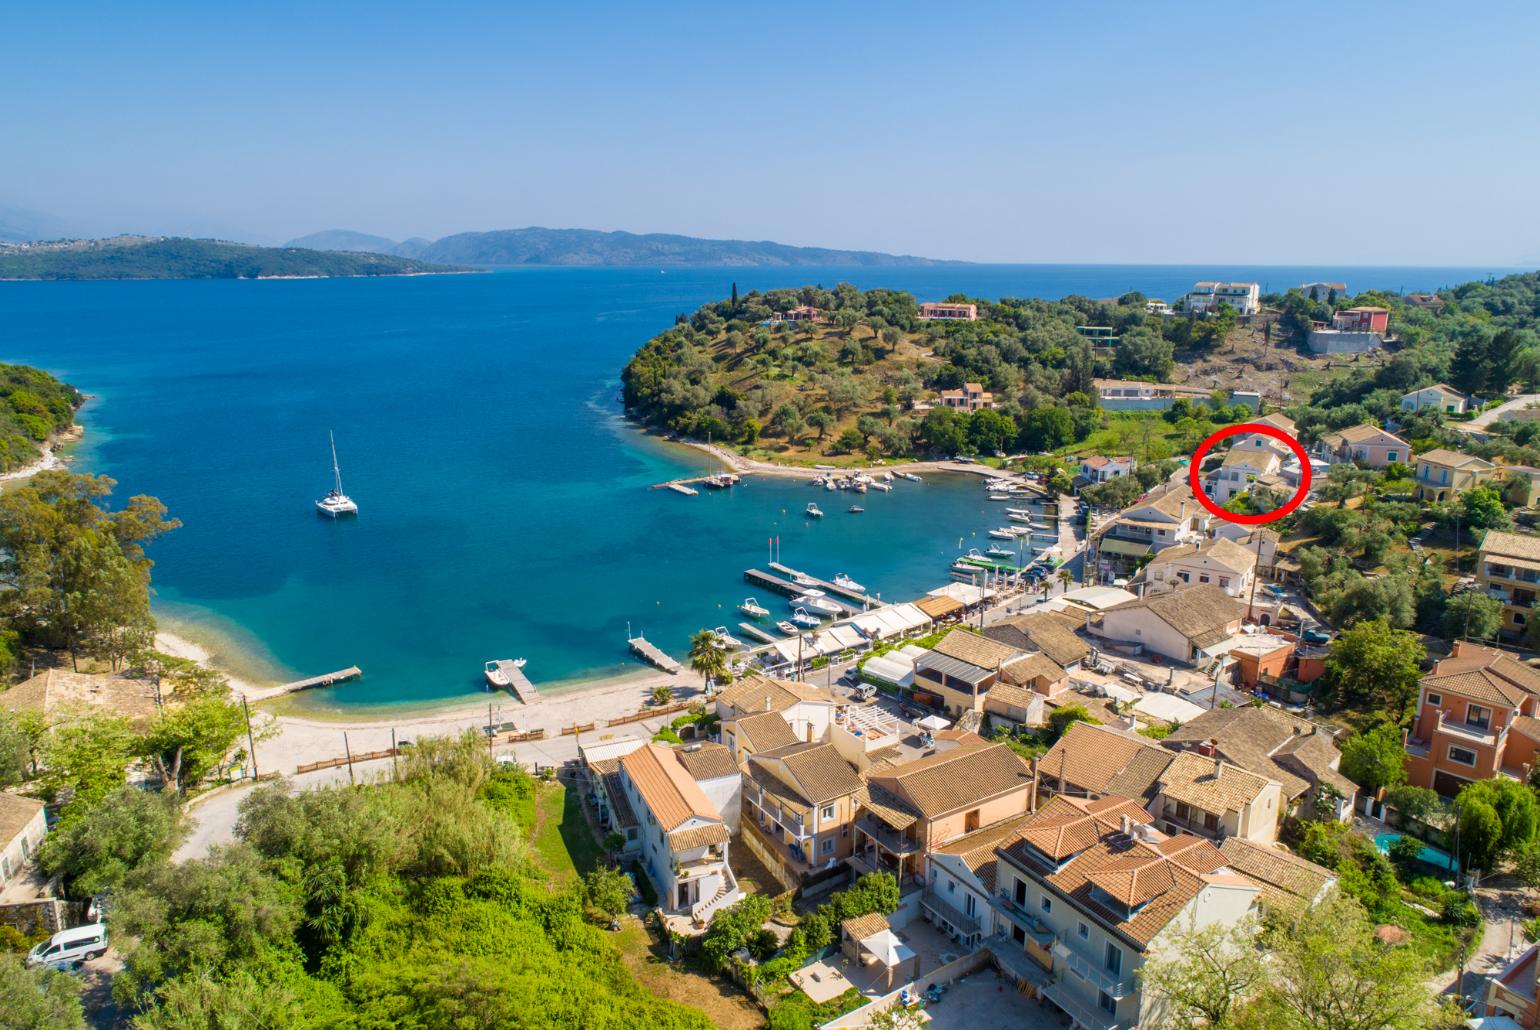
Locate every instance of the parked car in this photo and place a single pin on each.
(1316, 635)
(865, 692)
(70, 947)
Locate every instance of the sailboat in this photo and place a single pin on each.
(336, 503)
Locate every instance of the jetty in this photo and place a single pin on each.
(826, 586)
(352, 672)
(751, 630)
(687, 484)
(652, 654)
(518, 683)
(681, 488)
(786, 588)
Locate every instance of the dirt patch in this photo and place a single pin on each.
(1262, 356)
(725, 1005)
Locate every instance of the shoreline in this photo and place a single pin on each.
(737, 463)
(50, 454)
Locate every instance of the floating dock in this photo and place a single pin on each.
(681, 488)
(650, 653)
(827, 587)
(787, 588)
(518, 683)
(352, 672)
(751, 630)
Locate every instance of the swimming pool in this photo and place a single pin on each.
(1429, 855)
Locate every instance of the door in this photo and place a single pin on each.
(684, 895)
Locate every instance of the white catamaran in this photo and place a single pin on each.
(336, 503)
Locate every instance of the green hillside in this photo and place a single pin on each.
(33, 406)
(141, 257)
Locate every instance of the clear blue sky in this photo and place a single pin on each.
(1120, 132)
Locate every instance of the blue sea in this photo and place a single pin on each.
(505, 509)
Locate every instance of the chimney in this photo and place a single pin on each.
(767, 702)
(1209, 748)
(1128, 826)
(1219, 767)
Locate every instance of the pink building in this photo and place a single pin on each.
(970, 398)
(947, 312)
(1361, 320)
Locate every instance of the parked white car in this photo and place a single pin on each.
(70, 946)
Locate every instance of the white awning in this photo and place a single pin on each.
(890, 668)
(848, 636)
(874, 626)
(934, 723)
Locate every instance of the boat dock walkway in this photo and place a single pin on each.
(518, 683)
(842, 593)
(787, 588)
(652, 655)
(751, 630)
(686, 485)
(681, 488)
(352, 672)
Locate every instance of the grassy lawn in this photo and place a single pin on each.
(1148, 437)
(562, 837)
(722, 1002)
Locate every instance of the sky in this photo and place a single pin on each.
(1298, 133)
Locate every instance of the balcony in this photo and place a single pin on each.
(792, 825)
(1482, 735)
(1091, 971)
(887, 838)
(1085, 1015)
(944, 912)
(1193, 822)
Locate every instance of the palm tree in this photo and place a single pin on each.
(1066, 577)
(707, 655)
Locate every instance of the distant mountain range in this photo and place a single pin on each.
(537, 246)
(162, 257)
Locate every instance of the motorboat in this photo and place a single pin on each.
(496, 676)
(911, 477)
(726, 639)
(960, 567)
(886, 488)
(859, 487)
(818, 604)
(789, 629)
(813, 511)
(887, 477)
(1002, 534)
(336, 503)
(842, 580)
(997, 551)
(802, 618)
(855, 509)
(1023, 512)
(997, 495)
(802, 579)
(828, 484)
(751, 606)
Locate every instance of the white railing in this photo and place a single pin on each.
(1086, 969)
(703, 911)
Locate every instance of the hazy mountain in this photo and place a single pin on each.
(18, 225)
(537, 246)
(345, 239)
(163, 257)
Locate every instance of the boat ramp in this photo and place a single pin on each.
(518, 683)
(652, 654)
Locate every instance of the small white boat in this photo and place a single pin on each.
(813, 511)
(973, 552)
(828, 484)
(963, 568)
(859, 488)
(818, 604)
(496, 677)
(789, 629)
(1002, 534)
(802, 579)
(336, 503)
(997, 551)
(802, 618)
(855, 509)
(751, 606)
(845, 581)
(999, 496)
(726, 639)
(886, 488)
(911, 477)
(1025, 512)
(887, 477)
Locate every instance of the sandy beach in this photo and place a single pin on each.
(49, 456)
(736, 462)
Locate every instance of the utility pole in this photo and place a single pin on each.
(1255, 572)
(395, 771)
(251, 744)
(348, 751)
(490, 733)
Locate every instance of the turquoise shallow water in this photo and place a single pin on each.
(504, 509)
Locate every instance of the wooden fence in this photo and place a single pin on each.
(648, 713)
(332, 763)
(572, 731)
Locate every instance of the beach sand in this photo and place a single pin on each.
(49, 455)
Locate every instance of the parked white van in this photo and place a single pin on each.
(68, 946)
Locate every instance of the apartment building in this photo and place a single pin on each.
(1102, 886)
(961, 668)
(1241, 471)
(1508, 568)
(1218, 561)
(803, 713)
(1168, 515)
(1443, 475)
(1099, 468)
(1245, 298)
(1190, 625)
(1324, 293)
(1475, 720)
(799, 807)
(960, 884)
(683, 838)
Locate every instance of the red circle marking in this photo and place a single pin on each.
(1247, 428)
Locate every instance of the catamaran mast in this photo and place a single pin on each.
(336, 470)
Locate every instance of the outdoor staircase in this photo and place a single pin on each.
(726, 895)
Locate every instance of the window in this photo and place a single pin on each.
(1477, 716)
(1084, 931)
(1105, 1001)
(951, 886)
(1113, 960)
(1462, 755)
(1203, 578)
(1210, 821)
(1392, 455)
(828, 845)
(1224, 582)
(1046, 904)
(970, 905)
(1021, 893)
(828, 812)
(1435, 699)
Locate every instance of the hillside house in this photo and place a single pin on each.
(1218, 561)
(1443, 475)
(1475, 719)
(1365, 445)
(1439, 397)
(684, 839)
(948, 311)
(1204, 297)
(1508, 568)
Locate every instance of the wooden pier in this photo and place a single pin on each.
(827, 587)
(787, 588)
(352, 672)
(652, 655)
(751, 630)
(518, 683)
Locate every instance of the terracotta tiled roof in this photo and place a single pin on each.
(1478, 684)
(1192, 852)
(765, 731)
(1197, 612)
(665, 786)
(816, 771)
(1052, 633)
(977, 849)
(1134, 879)
(708, 761)
(1011, 696)
(1221, 550)
(1528, 725)
(967, 646)
(15, 813)
(1100, 759)
(1285, 878)
(54, 690)
(1196, 781)
(887, 807)
(1267, 742)
(1454, 459)
(954, 779)
(1037, 666)
(1510, 545)
(1365, 433)
(860, 928)
(755, 694)
(699, 837)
